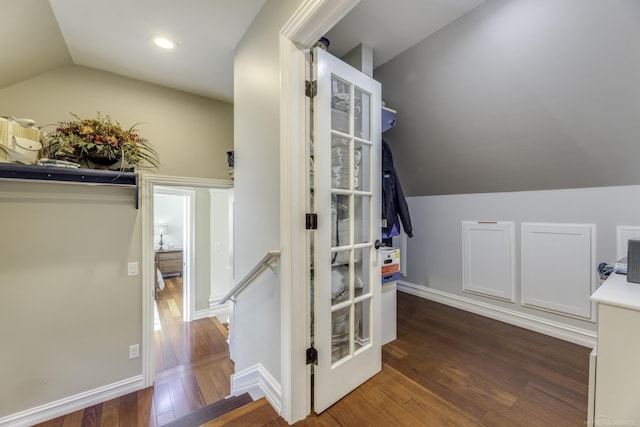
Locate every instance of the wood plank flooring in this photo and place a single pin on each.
(453, 368)
(447, 368)
(193, 370)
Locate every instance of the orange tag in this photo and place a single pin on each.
(390, 269)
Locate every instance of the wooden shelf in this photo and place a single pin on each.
(18, 172)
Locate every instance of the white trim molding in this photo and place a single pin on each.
(147, 185)
(73, 403)
(559, 330)
(557, 273)
(488, 259)
(308, 23)
(221, 311)
(258, 382)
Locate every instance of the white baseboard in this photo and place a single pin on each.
(215, 309)
(201, 314)
(221, 311)
(71, 404)
(258, 382)
(544, 326)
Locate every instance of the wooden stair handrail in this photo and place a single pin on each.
(255, 271)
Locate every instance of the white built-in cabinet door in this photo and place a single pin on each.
(346, 195)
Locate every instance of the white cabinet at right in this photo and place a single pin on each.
(616, 383)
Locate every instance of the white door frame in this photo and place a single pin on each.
(147, 186)
(310, 22)
(188, 246)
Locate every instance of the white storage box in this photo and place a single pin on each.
(389, 264)
(24, 140)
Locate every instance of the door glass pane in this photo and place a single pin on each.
(361, 216)
(340, 160)
(362, 312)
(340, 320)
(361, 114)
(361, 164)
(361, 281)
(339, 284)
(340, 103)
(340, 220)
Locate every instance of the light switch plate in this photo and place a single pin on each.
(132, 269)
(134, 351)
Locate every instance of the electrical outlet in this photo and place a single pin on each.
(132, 269)
(134, 351)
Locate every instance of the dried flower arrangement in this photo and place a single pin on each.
(99, 143)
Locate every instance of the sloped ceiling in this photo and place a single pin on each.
(391, 27)
(114, 36)
(32, 43)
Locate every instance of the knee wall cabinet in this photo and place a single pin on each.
(616, 384)
(169, 262)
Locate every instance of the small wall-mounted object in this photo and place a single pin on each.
(388, 118)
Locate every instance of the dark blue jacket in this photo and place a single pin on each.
(394, 205)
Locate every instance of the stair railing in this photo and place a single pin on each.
(264, 263)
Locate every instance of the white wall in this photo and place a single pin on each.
(257, 181)
(434, 254)
(202, 249)
(169, 209)
(211, 243)
(221, 273)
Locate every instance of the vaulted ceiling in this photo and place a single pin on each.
(115, 36)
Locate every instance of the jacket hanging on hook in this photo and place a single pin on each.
(394, 205)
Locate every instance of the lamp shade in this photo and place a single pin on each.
(161, 229)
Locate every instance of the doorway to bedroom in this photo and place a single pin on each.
(192, 247)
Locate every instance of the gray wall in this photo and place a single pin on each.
(519, 95)
(69, 311)
(434, 254)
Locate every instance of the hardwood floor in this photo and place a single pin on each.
(447, 368)
(453, 368)
(193, 370)
(180, 343)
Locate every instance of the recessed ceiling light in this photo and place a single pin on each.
(164, 42)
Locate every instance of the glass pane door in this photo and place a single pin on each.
(346, 187)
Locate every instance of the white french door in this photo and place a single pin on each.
(345, 194)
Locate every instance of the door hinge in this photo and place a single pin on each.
(312, 356)
(311, 88)
(312, 221)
